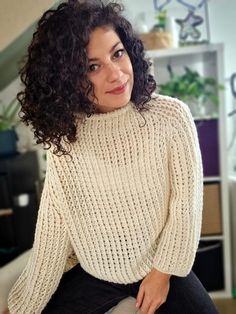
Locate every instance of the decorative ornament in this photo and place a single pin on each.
(188, 26)
(159, 5)
(192, 7)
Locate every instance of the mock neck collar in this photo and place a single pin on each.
(102, 116)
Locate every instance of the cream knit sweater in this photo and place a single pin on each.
(130, 199)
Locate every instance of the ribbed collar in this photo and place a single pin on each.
(111, 114)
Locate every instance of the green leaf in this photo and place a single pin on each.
(191, 85)
(9, 118)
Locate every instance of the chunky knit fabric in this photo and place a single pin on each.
(129, 199)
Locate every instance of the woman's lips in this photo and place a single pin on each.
(118, 90)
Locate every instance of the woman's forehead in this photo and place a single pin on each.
(102, 39)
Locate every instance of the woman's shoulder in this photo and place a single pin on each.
(167, 104)
(169, 108)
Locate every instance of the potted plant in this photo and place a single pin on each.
(158, 37)
(8, 122)
(199, 92)
(161, 17)
(201, 95)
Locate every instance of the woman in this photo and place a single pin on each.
(123, 188)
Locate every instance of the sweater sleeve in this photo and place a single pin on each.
(178, 242)
(40, 278)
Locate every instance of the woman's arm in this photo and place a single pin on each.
(179, 239)
(42, 274)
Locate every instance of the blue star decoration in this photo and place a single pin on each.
(188, 26)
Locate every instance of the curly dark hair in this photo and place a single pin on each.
(57, 88)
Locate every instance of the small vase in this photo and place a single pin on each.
(197, 107)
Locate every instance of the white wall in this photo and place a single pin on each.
(222, 14)
(222, 22)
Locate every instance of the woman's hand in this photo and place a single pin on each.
(6, 311)
(153, 292)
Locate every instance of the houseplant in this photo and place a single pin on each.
(158, 37)
(8, 121)
(199, 92)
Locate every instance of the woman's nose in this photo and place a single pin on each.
(114, 72)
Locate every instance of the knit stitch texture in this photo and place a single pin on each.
(128, 200)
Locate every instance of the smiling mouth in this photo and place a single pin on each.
(118, 90)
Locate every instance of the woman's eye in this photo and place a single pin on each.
(93, 67)
(119, 53)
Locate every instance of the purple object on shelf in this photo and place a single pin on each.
(208, 139)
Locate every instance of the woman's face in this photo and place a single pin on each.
(110, 70)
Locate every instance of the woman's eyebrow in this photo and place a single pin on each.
(111, 50)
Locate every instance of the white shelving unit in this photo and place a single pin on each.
(207, 60)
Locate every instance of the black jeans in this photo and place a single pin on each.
(81, 293)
